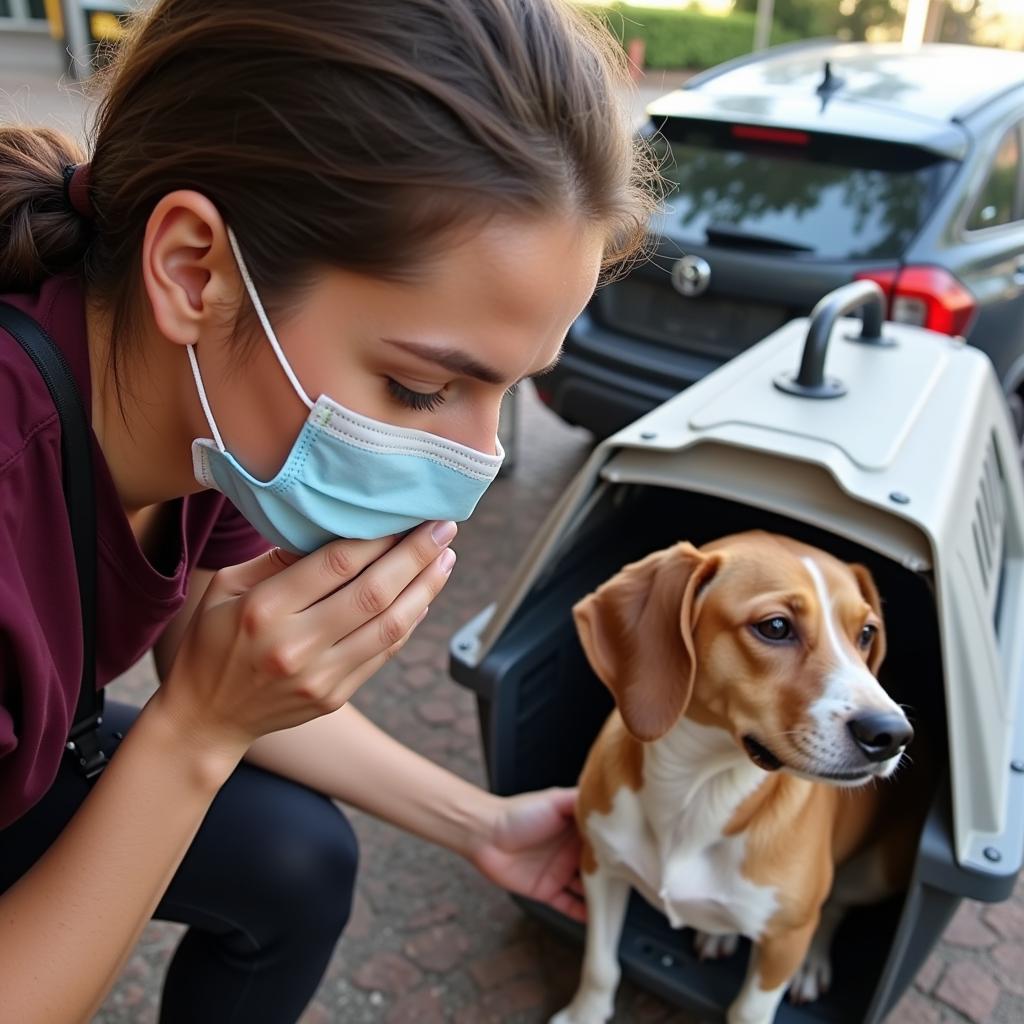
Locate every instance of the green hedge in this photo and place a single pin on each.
(684, 38)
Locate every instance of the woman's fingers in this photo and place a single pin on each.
(281, 583)
(563, 799)
(339, 686)
(278, 583)
(274, 644)
(240, 579)
(384, 634)
(569, 905)
(375, 594)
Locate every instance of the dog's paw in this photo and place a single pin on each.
(812, 979)
(715, 947)
(562, 1017)
(593, 1010)
(568, 1016)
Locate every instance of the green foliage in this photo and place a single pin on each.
(869, 14)
(685, 38)
(806, 19)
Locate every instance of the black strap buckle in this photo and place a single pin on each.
(84, 748)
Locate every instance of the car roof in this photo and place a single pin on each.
(885, 91)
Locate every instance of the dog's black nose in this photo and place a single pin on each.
(880, 734)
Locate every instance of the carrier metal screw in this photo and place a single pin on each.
(648, 435)
(899, 497)
(667, 961)
(464, 645)
(1017, 766)
(992, 854)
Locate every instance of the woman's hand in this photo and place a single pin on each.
(534, 850)
(281, 640)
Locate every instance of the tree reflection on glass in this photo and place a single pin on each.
(995, 204)
(830, 209)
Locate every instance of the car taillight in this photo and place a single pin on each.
(926, 296)
(781, 136)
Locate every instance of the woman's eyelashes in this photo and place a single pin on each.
(425, 401)
(421, 401)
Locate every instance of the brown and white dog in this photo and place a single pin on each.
(722, 787)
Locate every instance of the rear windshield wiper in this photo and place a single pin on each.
(723, 234)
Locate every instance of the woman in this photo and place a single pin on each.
(315, 244)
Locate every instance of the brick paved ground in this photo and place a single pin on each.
(430, 941)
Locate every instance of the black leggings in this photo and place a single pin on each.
(266, 888)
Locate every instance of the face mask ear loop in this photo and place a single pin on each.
(202, 397)
(271, 336)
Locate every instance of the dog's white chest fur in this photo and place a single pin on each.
(667, 839)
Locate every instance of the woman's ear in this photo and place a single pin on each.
(637, 633)
(188, 269)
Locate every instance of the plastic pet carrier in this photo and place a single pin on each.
(902, 457)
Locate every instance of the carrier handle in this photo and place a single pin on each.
(810, 381)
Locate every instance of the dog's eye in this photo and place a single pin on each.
(867, 636)
(775, 628)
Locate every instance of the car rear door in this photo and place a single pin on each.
(987, 255)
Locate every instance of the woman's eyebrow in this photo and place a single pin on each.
(459, 362)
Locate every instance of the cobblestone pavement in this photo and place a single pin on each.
(429, 940)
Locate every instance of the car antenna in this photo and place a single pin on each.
(829, 85)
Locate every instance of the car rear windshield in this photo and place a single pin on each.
(826, 196)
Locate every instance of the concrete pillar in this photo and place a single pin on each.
(76, 35)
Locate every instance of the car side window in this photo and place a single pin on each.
(998, 201)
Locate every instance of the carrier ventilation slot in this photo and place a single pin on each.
(988, 525)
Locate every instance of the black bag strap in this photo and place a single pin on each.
(76, 470)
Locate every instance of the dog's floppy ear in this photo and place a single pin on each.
(637, 632)
(869, 591)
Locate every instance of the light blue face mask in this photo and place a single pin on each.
(347, 475)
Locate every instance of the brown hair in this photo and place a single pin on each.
(344, 133)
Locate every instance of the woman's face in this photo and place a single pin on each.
(437, 354)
